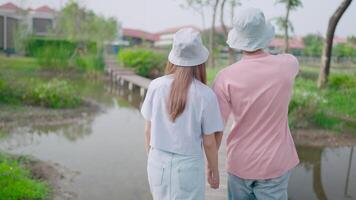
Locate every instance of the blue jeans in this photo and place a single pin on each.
(269, 189)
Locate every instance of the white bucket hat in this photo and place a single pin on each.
(188, 49)
(250, 31)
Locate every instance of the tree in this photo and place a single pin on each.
(313, 44)
(327, 52)
(212, 33)
(233, 4)
(79, 24)
(198, 6)
(284, 23)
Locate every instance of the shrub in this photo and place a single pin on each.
(142, 61)
(16, 182)
(342, 81)
(54, 57)
(64, 54)
(7, 95)
(54, 94)
(304, 103)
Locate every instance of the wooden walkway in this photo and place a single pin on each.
(120, 75)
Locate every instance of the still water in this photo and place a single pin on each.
(106, 155)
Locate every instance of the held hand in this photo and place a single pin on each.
(213, 178)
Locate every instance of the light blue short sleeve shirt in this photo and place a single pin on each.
(184, 136)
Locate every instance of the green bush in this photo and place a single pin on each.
(304, 103)
(54, 94)
(16, 182)
(7, 94)
(64, 54)
(342, 81)
(54, 57)
(142, 61)
(90, 63)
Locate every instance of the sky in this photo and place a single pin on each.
(156, 15)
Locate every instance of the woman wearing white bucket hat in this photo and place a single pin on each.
(256, 91)
(182, 113)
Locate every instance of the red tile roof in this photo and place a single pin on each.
(129, 32)
(45, 9)
(294, 43)
(175, 29)
(340, 40)
(9, 6)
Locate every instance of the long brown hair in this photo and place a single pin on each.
(183, 77)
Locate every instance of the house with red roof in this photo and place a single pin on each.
(165, 37)
(137, 36)
(296, 45)
(39, 22)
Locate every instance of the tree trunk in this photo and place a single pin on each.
(327, 51)
(223, 25)
(286, 29)
(212, 35)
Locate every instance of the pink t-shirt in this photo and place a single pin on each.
(257, 91)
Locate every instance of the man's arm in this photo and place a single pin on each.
(147, 136)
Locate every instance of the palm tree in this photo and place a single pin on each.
(284, 22)
(327, 52)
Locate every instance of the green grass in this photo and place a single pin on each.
(19, 64)
(16, 182)
(22, 84)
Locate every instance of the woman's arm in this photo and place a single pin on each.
(147, 135)
(211, 152)
(218, 138)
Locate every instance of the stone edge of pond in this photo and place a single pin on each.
(322, 138)
(39, 116)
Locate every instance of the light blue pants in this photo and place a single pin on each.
(175, 177)
(270, 189)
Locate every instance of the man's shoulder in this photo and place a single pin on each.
(288, 58)
(226, 70)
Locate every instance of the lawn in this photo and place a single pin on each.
(21, 83)
(16, 182)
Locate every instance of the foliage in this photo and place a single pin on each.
(52, 94)
(313, 45)
(142, 61)
(64, 54)
(16, 182)
(342, 81)
(344, 50)
(35, 45)
(284, 22)
(77, 23)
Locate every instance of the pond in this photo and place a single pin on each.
(106, 155)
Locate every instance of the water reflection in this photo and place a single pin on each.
(107, 150)
(324, 173)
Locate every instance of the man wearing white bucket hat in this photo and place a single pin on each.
(256, 91)
(181, 113)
